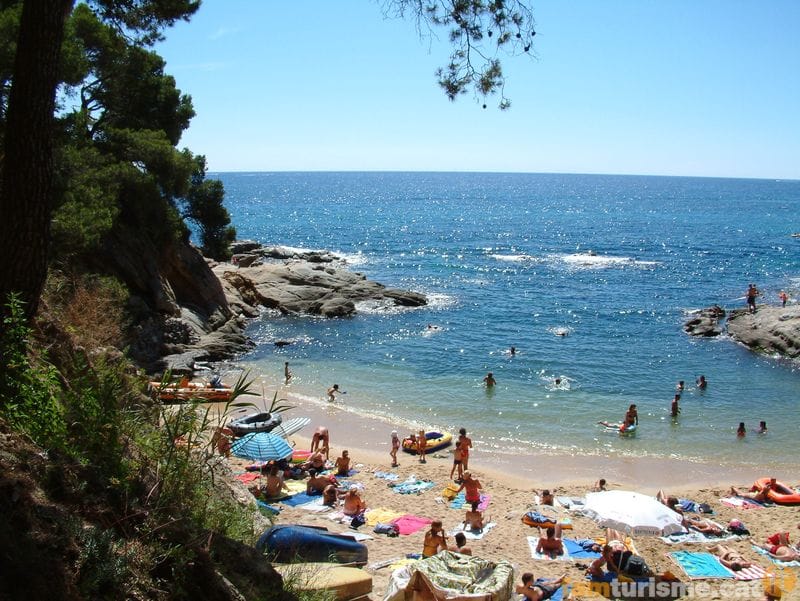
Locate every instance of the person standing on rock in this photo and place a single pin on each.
(752, 293)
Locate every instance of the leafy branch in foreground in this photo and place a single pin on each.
(478, 30)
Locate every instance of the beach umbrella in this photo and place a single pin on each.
(261, 446)
(632, 513)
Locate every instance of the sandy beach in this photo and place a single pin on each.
(513, 486)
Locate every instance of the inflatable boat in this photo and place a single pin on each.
(255, 422)
(780, 493)
(436, 441)
(292, 543)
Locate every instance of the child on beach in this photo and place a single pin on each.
(395, 448)
(457, 455)
(422, 444)
(461, 542)
(465, 442)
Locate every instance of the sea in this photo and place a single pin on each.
(589, 277)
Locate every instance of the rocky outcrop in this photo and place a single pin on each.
(193, 310)
(705, 322)
(300, 287)
(771, 330)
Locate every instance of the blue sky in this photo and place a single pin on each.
(686, 87)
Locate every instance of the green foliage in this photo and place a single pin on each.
(204, 206)
(28, 386)
(102, 564)
(478, 31)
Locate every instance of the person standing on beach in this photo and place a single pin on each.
(675, 410)
(321, 441)
(287, 374)
(395, 448)
(751, 294)
(783, 297)
(466, 444)
(473, 488)
(422, 444)
(457, 462)
(489, 380)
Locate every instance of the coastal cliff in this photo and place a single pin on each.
(197, 309)
(770, 330)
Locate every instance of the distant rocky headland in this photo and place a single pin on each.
(770, 330)
(211, 327)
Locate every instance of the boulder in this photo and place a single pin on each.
(705, 322)
(772, 330)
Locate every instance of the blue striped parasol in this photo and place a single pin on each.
(261, 446)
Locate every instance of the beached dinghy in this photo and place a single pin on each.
(436, 441)
(292, 543)
(255, 422)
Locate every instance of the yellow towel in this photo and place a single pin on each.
(382, 515)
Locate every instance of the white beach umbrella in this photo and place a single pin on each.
(632, 513)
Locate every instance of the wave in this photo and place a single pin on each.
(589, 260)
(514, 258)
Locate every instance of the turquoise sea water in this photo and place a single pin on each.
(615, 262)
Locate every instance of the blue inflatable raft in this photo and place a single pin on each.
(292, 543)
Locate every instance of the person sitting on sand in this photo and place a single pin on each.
(353, 503)
(435, 540)
(474, 520)
(778, 547)
(274, 483)
(730, 557)
(316, 461)
(330, 494)
(540, 589)
(599, 486)
(551, 545)
(321, 439)
(547, 498)
(618, 560)
(461, 542)
(473, 487)
(703, 525)
(316, 484)
(342, 464)
(761, 495)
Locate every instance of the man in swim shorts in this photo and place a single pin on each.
(540, 589)
(321, 440)
(551, 544)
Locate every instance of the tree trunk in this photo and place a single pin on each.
(27, 185)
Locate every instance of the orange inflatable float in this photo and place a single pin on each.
(779, 493)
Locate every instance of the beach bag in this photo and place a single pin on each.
(387, 529)
(635, 566)
(358, 521)
(450, 491)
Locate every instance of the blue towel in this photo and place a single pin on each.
(700, 565)
(270, 508)
(299, 499)
(577, 549)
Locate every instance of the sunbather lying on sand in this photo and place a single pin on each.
(672, 502)
(702, 525)
(778, 547)
(538, 590)
(760, 495)
(730, 557)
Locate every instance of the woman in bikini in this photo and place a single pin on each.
(435, 540)
(730, 557)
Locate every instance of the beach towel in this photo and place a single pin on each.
(577, 549)
(754, 572)
(248, 477)
(533, 542)
(742, 503)
(472, 534)
(295, 486)
(764, 552)
(315, 506)
(694, 536)
(460, 500)
(389, 476)
(700, 565)
(382, 515)
(409, 524)
(571, 503)
(299, 499)
(412, 486)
